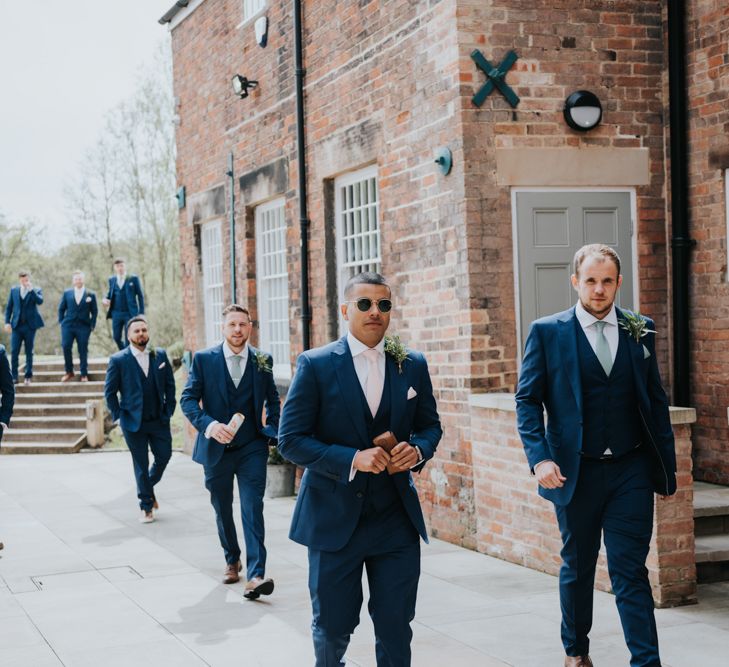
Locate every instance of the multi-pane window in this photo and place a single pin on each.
(273, 285)
(358, 228)
(252, 7)
(212, 269)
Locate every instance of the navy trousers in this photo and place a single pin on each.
(22, 335)
(153, 436)
(616, 499)
(388, 547)
(248, 466)
(119, 328)
(81, 334)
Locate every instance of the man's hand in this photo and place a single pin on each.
(222, 434)
(8, 327)
(105, 302)
(374, 459)
(549, 475)
(403, 456)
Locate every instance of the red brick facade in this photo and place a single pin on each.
(388, 84)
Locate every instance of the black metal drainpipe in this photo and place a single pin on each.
(231, 174)
(301, 163)
(681, 243)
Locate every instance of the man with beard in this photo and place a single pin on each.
(23, 320)
(146, 383)
(235, 379)
(77, 313)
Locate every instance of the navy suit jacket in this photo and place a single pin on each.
(7, 389)
(34, 298)
(122, 376)
(135, 296)
(324, 424)
(205, 399)
(84, 313)
(550, 379)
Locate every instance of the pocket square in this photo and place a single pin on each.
(646, 353)
(411, 393)
(162, 365)
(88, 299)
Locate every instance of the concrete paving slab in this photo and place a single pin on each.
(83, 583)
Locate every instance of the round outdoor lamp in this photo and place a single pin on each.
(241, 85)
(582, 110)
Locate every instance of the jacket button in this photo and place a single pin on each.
(360, 494)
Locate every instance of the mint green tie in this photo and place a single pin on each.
(235, 373)
(602, 349)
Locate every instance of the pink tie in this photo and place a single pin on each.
(375, 382)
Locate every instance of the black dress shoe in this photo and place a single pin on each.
(257, 587)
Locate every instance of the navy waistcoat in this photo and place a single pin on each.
(610, 417)
(240, 399)
(151, 408)
(380, 492)
(24, 308)
(121, 306)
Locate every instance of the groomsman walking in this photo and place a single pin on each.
(607, 447)
(7, 395)
(124, 300)
(357, 506)
(23, 320)
(77, 313)
(146, 383)
(225, 380)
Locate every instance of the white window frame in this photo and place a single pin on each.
(252, 9)
(211, 252)
(272, 284)
(348, 210)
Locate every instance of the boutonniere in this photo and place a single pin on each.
(395, 348)
(262, 364)
(635, 324)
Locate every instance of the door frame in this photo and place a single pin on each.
(515, 246)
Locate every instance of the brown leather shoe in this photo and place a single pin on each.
(155, 504)
(2, 546)
(577, 661)
(84, 378)
(257, 587)
(230, 576)
(67, 377)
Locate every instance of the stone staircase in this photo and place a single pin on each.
(49, 416)
(711, 530)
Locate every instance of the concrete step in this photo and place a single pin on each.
(712, 558)
(77, 422)
(711, 509)
(98, 364)
(72, 386)
(58, 395)
(32, 409)
(55, 376)
(42, 447)
(40, 434)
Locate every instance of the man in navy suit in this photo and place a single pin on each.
(7, 395)
(124, 299)
(23, 319)
(77, 313)
(607, 447)
(226, 379)
(145, 380)
(357, 505)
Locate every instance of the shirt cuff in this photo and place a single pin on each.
(4, 425)
(209, 429)
(536, 465)
(352, 471)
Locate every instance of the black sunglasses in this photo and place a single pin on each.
(364, 304)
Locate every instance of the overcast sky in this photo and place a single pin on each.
(63, 65)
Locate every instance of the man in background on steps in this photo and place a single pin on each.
(23, 320)
(77, 313)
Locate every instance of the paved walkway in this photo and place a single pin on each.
(83, 583)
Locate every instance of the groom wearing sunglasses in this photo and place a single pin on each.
(359, 420)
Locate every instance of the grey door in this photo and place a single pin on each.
(551, 226)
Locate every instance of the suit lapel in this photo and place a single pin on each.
(349, 387)
(222, 368)
(257, 379)
(398, 392)
(567, 333)
(636, 358)
(133, 363)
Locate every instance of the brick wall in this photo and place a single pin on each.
(516, 524)
(708, 74)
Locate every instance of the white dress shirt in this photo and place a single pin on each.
(142, 357)
(23, 292)
(228, 353)
(120, 280)
(361, 365)
(587, 322)
(78, 293)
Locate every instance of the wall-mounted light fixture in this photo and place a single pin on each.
(582, 110)
(241, 85)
